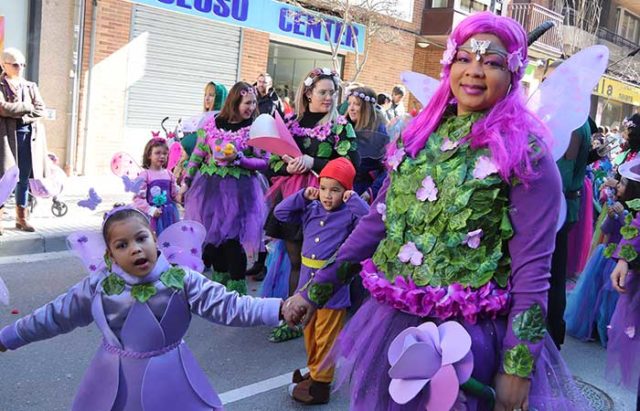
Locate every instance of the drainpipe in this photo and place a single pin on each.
(92, 54)
(72, 139)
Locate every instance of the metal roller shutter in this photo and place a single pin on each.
(183, 53)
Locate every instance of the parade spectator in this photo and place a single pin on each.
(384, 103)
(23, 138)
(268, 100)
(397, 108)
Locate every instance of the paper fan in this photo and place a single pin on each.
(272, 135)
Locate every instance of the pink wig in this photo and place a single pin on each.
(508, 126)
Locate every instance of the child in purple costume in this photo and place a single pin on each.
(159, 192)
(328, 215)
(142, 306)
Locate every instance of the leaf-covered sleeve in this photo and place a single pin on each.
(629, 245)
(200, 154)
(534, 216)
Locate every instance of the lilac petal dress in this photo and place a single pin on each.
(142, 364)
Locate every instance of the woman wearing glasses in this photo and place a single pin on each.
(22, 136)
(321, 135)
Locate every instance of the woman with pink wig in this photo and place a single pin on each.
(456, 250)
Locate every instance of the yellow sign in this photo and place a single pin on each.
(618, 91)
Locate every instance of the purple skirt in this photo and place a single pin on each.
(229, 208)
(623, 350)
(360, 354)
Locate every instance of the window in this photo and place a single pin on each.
(472, 6)
(630, 26)
(439, 4)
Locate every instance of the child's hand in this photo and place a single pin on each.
(619, 275)
(617, 208)
(311, 193)
(512, 393)
(347, 195)
(157, 213)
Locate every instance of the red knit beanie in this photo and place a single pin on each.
(341, 170)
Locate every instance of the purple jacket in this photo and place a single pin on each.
(323, 231)
(534, 217)
(142, 341)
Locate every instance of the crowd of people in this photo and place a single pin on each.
(377, 248)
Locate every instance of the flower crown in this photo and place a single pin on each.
(515, 59)
(248, 90)
(317, 72)
(627, 123)
(362, 96)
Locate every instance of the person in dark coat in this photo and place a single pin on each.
(268, 100)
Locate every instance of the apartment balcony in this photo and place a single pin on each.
(610, 36)
(531, 15)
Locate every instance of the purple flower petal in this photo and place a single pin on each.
(410, 253)
(428, 191)
(484, 167)
(448, 145)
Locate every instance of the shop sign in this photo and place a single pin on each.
(270, 16)
(618, 91)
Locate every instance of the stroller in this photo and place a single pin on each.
(49, 187)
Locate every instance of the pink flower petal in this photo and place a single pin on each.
(409, 253)
(448, 145)
(443, 389)
(424, 354)
(484, 167)
(454, 341)
(403, 391)
(428, 191)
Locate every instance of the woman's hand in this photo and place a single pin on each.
(157, 213)
(311, 193)
(296, 310)
(512, 393)
(619, 275)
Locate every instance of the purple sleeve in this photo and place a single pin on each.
(360, 245)
(534, 219)
(60, 316)
(254, 163)
(291, 209)
(610, 226)
(212, 301)
(357, 206)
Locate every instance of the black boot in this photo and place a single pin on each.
(258, 270)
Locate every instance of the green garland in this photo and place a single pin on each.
(115, 285)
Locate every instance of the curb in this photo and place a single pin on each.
(35, 243)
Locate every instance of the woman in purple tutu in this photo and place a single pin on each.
(458, 242)
(225, 194)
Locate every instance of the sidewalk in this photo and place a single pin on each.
(51, 231)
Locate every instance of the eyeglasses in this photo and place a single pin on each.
(17, 65)
(324, 93)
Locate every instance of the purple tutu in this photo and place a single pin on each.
(623, 351)
(229, 208)
(360, 354)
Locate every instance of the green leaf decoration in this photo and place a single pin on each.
(223, 171)
(459, 221)
(107, 261)
(628, 252)
(426, 242)
(518, 361)
(306, 143)
(324, 150)
(351, 132)
(343, 147)
(201, 133)
(142, 292)
(173, 278)
(345, 272)
(506, 229)
(113, 284)
(320, 293)
(629, 232)
(235, 172)
(609, 250)
(628, 219)
(634, 204)
(277, 166)
(529, 325)
(337, 129)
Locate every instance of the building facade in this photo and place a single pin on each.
(111, 70)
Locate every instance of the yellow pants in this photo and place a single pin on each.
(319, 336)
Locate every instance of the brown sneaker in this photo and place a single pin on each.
(298, 376)
(310, 392)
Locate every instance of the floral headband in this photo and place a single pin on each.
(515, 60)
(317, 72)
(362, 96)
(248, 90)
(627, 123)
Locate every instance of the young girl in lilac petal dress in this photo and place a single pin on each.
(142, 305)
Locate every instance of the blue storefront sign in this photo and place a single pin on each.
(270, 16)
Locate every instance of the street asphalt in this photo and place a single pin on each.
(249, 372)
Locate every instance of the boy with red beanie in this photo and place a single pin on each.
(328, 215)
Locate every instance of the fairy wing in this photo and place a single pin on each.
(420, 85)
(89, 247)
(181, 243)
(122, 164)
(563, 100)
(8, 183)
